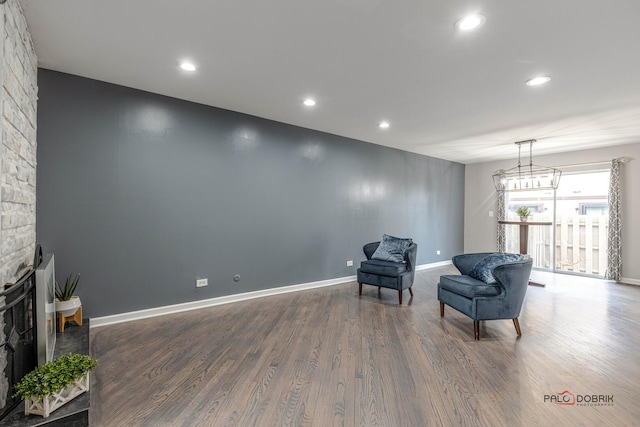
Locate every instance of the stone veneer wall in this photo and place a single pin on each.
(18, 105)
(18, 76)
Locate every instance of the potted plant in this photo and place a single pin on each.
(55, 383)
(523, 212)
(66, 302)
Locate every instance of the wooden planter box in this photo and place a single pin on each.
(49, 403)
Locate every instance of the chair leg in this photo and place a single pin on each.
(359, 288)
(476, 330)
(400, 297)
(441, 309)
(411, 291)
(517, 325)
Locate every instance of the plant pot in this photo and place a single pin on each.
(50, 402)
(68, 308)
(523, 219)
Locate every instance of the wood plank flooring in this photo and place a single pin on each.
(328, 357)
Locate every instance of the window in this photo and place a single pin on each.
(594, 209)
(537, 208)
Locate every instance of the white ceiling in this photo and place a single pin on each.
(456, 96)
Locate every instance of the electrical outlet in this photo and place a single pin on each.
(202, 283)
(491, 213)
(349, 263)
(438, 252)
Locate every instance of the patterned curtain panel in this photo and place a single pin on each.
(614, 244)
(501, 215)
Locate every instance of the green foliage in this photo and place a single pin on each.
(54, 376)
(523, 211)
(65, 294)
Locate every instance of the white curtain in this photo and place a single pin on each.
(614, 244)
(500, 237)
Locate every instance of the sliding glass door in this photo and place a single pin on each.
(578, 210)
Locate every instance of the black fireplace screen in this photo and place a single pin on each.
(17, 342)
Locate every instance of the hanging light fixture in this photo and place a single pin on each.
(527, 177)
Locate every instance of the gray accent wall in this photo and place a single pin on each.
(143, 194)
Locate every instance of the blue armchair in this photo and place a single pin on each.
(387, 274)
(499, 298)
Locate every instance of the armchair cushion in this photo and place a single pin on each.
(391, 249)
(469, 287)
(383, 268)
(482, 270)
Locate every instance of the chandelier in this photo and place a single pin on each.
(528, 177)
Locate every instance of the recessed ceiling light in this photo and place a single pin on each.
(383, 125)
(188, 66)
(309, 102)
(538, 81)
(470, 22)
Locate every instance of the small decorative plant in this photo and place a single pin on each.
(54, 376)
(523, 211)
(65, 294)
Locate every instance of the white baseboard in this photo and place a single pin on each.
(97, 322)
(629, 281)
(433, 265)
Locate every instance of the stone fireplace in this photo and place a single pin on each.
(18, 120)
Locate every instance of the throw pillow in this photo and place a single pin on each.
(392, 249)
(482, 270)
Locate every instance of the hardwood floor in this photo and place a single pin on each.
(328, 357)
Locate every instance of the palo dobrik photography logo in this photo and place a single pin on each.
(567, 398)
